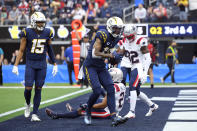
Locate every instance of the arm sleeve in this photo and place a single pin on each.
(51, 53)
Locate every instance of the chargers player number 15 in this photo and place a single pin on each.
(37, 46)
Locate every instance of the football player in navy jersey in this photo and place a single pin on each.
(94, 66)
(36, 39)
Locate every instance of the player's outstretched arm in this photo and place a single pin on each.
(103, 104)
(52, 57)
(96, 53)
(20, 55)
(146, 61)
(23, 43)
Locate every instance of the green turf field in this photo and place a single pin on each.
(13, 98)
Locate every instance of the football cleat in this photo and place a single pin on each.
(69, 107)
(51, 114)
(129, 115)
(27, 110)
(87, 118)
(118, 120)
(35, 118)
(83, 106)
(151, 110)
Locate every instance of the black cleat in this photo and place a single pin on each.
(51, 114)
(117, 121)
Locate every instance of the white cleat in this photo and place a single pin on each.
(151, 110)
(27, 111)
(130, 115)
(87, 120)
(35, 118)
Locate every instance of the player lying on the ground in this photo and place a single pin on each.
(136, 60)
(100, 109)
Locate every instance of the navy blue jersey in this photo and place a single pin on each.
(108, 42)
(36, 46)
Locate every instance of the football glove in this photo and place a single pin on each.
(15, 70)
(55, 70)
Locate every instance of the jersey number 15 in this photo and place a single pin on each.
(37, 46)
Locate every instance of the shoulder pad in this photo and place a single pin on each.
(102, 35)
(142, 41)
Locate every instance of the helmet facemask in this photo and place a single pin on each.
(116, 31)
(130, 32)
(130, 37)
(40, 25)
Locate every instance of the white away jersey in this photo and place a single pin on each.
(120, 90)
(132, 54)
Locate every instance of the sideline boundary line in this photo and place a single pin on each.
(45, 102)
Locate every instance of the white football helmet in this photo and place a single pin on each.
(115, 26)
(116, 74)
(130, 31)
(37, 17)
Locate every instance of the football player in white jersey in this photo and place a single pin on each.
(136, 61)
(100, 109)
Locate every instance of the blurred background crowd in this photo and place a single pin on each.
(93, 11)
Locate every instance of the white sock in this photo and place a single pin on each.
(133, 99)
(144, 97)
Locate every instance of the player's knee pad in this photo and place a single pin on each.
(29, 83)
(39, 83)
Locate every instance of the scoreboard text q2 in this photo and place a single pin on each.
(172, 30)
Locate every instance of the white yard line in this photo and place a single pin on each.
(184, 114)
(163, 86)
(45, 102)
